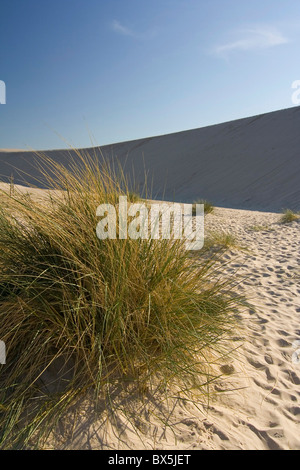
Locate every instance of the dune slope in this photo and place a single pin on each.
(251, 163)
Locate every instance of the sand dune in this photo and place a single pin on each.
(251, 163)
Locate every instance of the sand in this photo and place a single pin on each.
(251, 163)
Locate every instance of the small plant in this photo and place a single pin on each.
(208, 207)
(261, 228)
(289, 216)
(221, 240)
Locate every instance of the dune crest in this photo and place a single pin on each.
(251, 163)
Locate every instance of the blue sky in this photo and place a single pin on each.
(102, 71)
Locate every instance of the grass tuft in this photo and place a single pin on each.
(261, 228)
(79, 314)
(208, 206)
(221, 240)
(289, 216)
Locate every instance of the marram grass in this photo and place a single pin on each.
(97, 312)
(289, 216)
(208, 206)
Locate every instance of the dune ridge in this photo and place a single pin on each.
(250, 163)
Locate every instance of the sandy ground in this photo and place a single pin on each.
(266, 415)
(259, 408)
(260, 404)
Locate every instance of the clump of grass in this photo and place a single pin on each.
(208, 206)
(289, 216)
(261, 228)
(101, 312)
(221, 240)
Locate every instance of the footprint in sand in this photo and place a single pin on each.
(282, 343)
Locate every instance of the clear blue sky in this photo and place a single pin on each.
(125, 69)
